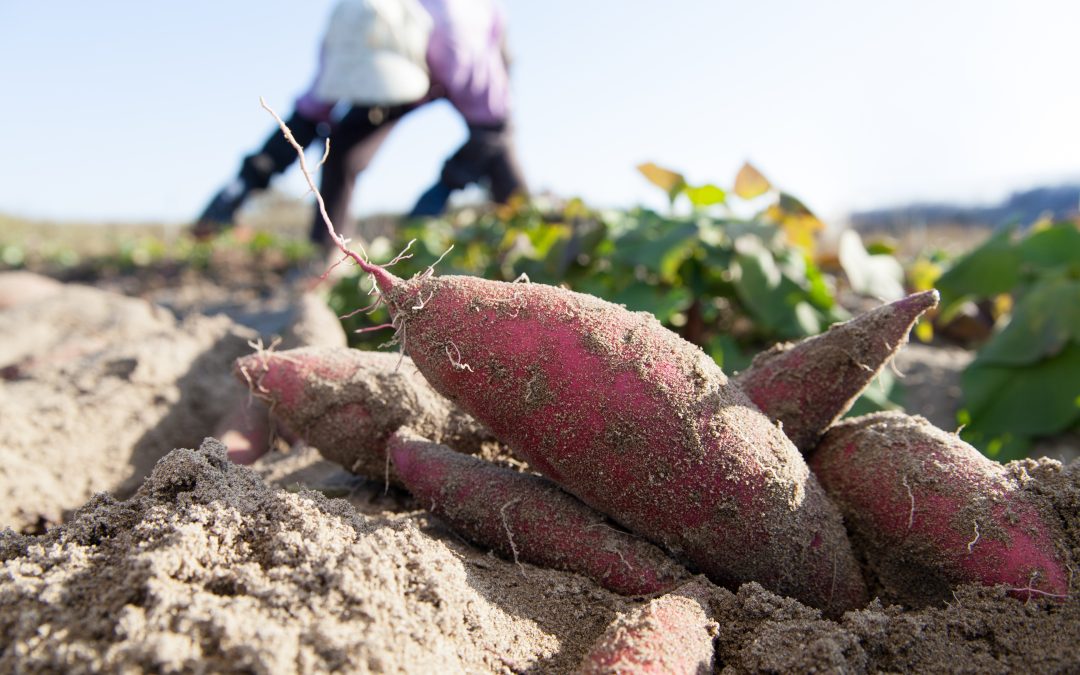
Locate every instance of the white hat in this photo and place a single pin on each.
(374, 53)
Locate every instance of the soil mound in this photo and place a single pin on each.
(96, 388)
(208, 568)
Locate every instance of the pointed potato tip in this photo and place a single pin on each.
(252, 368)
(248, 365)
(928, 298)
(917, 303)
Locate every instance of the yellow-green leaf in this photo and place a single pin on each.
(705, 195)
(799, 224)
(923, 274)
(800, 231)
(924, 330)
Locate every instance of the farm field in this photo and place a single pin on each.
(117, 348)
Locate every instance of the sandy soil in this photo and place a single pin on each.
(96, 388)
(294, 565)
(209, 567)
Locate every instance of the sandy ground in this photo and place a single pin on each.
(211, 567)
(96, 388)
(294, 565)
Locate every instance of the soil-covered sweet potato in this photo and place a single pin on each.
(528, 518)
(931, 511)
(808, 385)
(670, 634)
(634, 421)
(347, 402)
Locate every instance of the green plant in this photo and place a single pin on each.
(728, 284)
(1025, 381)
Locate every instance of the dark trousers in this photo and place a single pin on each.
(353, 143)
(488, 156)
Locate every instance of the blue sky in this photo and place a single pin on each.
(137, 110)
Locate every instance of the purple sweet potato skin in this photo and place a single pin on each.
(528, 518)
(670, 634)
(637, 423)
(808, 385)
(347, 402)
(931, 511)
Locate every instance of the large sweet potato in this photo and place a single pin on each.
(931, 511)
(635, 422)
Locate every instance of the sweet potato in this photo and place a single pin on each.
(528, 518)
(808, 385)
(347, 402)
(931, 511)
(670, 634)
(635, 422)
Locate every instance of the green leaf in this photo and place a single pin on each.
(1032, 400)
(766, 294)
(990, 269)
(545, 236)
(923, 274)
(728, 354)
(792, 205)
(808, 319)
(818, 291)
(1050, 247)
(881, 247)
(658, 245)
(757, 294)
(758, 262)
(879, 276)
(660, 302)
(705, 195)
(882, 393)
(673, 258)
(1003, 448)
(1043, 320)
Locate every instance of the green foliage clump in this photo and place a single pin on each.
(1025, 381)
(731, 285)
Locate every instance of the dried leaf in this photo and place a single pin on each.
(667, 180)
(749, 182)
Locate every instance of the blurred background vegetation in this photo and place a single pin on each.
(732, 269)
